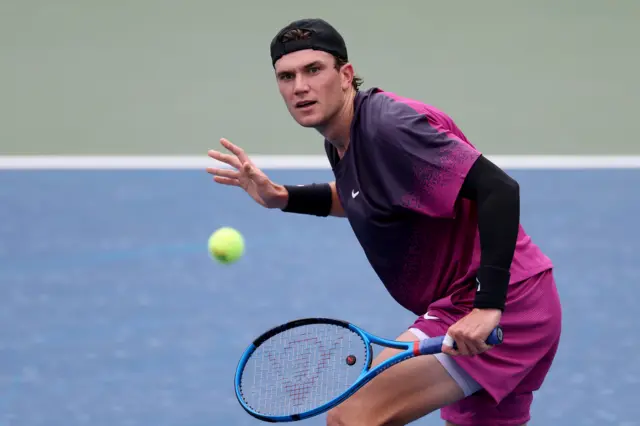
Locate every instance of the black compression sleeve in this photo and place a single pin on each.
(498, 198)
(315, 199)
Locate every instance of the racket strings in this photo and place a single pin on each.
(302, 368)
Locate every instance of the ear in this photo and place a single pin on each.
(346, 76)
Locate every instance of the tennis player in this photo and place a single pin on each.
(440, 225)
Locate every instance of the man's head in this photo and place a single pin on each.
(313, 73)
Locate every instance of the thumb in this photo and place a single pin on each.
(254, 174)
(250, 170)
(448, 341)
(448, 345)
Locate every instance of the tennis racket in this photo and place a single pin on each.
(305, 367)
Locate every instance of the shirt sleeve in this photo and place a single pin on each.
(425, 161)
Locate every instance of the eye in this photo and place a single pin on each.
(285, 76)
(314, 70)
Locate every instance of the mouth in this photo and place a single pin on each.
(305, 104)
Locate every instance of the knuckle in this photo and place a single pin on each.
(462, 336)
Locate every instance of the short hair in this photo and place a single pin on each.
(299, 34)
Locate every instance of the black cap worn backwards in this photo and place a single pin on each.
(322, 37)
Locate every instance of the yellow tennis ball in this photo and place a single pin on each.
(226, 245)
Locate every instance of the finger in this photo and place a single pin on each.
(477, 342)
(450, 351)
(462, 344)
(487, 348)
(447, 346)
(480, 347)
(229, 159)
(230, 173)
(476, 345)
(227, 181)
(239, 152)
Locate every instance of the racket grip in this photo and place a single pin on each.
(434, 345)
(495, 338)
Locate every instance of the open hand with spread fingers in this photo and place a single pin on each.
(244, 174)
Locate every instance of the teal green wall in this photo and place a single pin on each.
(172, 77)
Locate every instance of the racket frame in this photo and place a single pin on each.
(428, 346)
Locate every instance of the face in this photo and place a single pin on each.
(312, 88)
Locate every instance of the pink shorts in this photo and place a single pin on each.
(500, 383)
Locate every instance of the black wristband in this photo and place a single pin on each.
(491, 288)
(314, 199)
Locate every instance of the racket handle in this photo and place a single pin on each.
(434, 345)
(496, 337)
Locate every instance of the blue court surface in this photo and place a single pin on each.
(112, 313)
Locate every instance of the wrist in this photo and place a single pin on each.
(314, 199)
(281, 197)
(491, 310)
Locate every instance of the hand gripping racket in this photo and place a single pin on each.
(305, 367)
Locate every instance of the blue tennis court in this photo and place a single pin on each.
(112, 313)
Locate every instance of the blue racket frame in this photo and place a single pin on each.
(428, 346)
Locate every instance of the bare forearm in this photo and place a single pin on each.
(336, 206)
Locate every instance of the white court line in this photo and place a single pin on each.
(155, 162)
(291, 162)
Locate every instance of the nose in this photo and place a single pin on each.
(300, 85)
